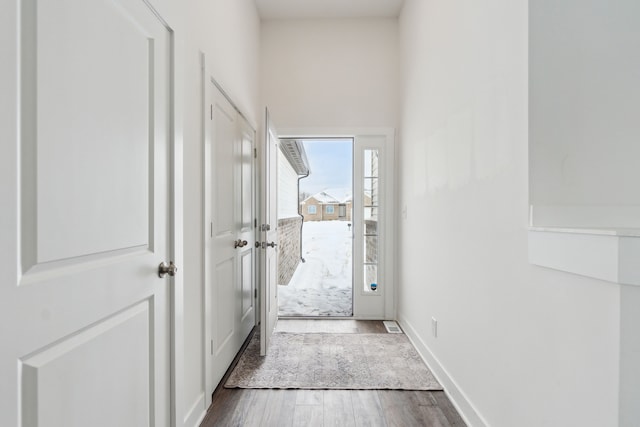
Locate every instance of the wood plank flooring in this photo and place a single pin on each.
(323, 408)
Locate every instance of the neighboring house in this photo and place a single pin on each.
(328, 205)
(292, 165)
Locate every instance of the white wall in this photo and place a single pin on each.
(629, 356)
(523, 345)
(287, 188)
(330, 72)
(584, 110)
(227, 31)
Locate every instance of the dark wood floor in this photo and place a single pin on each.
(250, 407)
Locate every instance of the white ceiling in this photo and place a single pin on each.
(299, 9)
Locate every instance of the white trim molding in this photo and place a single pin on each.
(604, 254)
(459, 399)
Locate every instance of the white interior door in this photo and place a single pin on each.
(85, 318)
(269, 229)
(229, 247)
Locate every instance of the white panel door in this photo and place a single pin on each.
(229, 247)
(269, 258)
(85, 318)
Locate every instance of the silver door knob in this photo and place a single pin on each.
(164, 269)
(240, 243)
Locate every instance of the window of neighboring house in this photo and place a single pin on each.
(311, 209)
(330, 209)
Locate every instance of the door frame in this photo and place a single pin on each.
(390, 226)
(176, 217)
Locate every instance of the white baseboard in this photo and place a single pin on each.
(465, 408)
(196, 413)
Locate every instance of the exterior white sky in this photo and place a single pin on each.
(331, 164)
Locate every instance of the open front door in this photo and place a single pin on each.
(269, 235)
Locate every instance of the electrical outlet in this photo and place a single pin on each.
(434, 327)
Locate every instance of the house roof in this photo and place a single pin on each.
(332, 196)
(343, 195)
(294, 152)
(323, 198)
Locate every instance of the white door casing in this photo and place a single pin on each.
(269, 232)
(85, 318)
(229, 240)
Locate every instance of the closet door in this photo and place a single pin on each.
(229, 227)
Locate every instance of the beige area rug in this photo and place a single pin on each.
(333, 361)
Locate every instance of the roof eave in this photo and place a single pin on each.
(293, 150)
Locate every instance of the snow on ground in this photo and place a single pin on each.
(321, 286)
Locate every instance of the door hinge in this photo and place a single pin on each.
(211, 232)
(211, 112)
(255, 153)
(255, 222)
(212, 347)
(255, 293)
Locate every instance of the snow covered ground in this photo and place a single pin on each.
(321, 286)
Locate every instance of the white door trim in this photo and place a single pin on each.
(176, 222)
